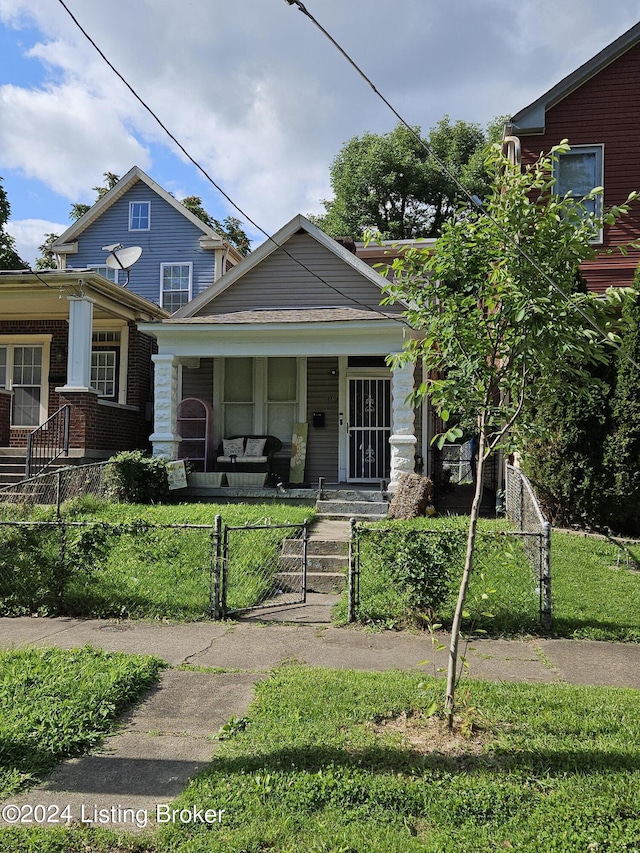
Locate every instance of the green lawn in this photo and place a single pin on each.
(595, 585)
(342, 761)
(596, 592)
(55, 704)
(137, 570)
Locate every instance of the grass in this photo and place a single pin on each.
(55, 704)
(343, 761)
(137, 571)
(596, 592)
(595, 585)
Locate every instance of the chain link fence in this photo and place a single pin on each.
(523, 510)
(62, 484)
(263, 566)
(407, 575)
(143, 570)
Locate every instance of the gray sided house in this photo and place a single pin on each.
(293, 335)
(181, 256)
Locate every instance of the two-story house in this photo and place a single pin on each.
(180, 255)
(597, 109)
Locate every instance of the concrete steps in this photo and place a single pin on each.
(12, 467)
(361, 504)
(327, 558)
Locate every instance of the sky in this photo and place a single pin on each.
(254, 91)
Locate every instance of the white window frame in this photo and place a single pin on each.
(260, 401)
(12, 341)
(111, 274)
(598, 151)
(131, 225)
(188, 264)
(123, 329)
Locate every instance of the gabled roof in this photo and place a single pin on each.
(532, 118)
(121, 187)
(297, 224)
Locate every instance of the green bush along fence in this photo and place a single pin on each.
(399, 576)
(143, 570)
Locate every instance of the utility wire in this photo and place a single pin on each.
(217, 186)
(474, 201)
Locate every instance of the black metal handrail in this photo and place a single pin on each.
(48, 442)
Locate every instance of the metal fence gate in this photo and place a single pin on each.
(262, 566)
(144, 570)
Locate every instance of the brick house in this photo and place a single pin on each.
(70, 338)
(597, 109)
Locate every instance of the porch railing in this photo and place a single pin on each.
(48, 442)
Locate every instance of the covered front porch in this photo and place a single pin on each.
(69, 341)
(317, 373)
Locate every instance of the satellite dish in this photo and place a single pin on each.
(120, 258)
(124, 259)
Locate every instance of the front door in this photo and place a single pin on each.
(369, 429)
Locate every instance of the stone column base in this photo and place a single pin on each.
(403, 451)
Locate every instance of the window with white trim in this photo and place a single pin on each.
(260, 396)
(105, 271)
(579, 171)
(105, 363)
(139, 215)
(175, 285)
(21, 371)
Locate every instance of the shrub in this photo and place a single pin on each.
(136, 478)
(415, 567)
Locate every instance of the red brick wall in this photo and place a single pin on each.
(604, 110)
(5, 418)
(94, 426)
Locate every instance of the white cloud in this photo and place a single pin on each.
(29, 234)
(257, 94)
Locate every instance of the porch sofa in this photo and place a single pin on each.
(253, 453)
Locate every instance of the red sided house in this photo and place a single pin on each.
(70, 348)
(597, 109)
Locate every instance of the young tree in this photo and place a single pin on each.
(493, 320)
(389, 183)
(9, 258)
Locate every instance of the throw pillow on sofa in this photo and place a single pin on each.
(233, 447)
(255, 447)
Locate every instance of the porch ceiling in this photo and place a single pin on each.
(27, 296)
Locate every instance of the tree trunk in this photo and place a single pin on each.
(464, 583)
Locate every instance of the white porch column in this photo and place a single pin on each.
(79, 348)
(165, 438)
(403, 440)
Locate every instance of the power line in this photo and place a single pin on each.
(208, 177)
(474, 201)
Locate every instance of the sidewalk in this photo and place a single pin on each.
(167, 738)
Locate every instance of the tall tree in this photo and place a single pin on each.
(494, 327)
(230, 227)
(9, 258)
(389, 183)
(46, 260)
(622, 447)
(79, 209)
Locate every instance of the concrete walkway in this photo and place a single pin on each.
(167, 738)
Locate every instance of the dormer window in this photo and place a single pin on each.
(579, 171)
(139, 215)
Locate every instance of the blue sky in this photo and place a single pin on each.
(254, 92)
